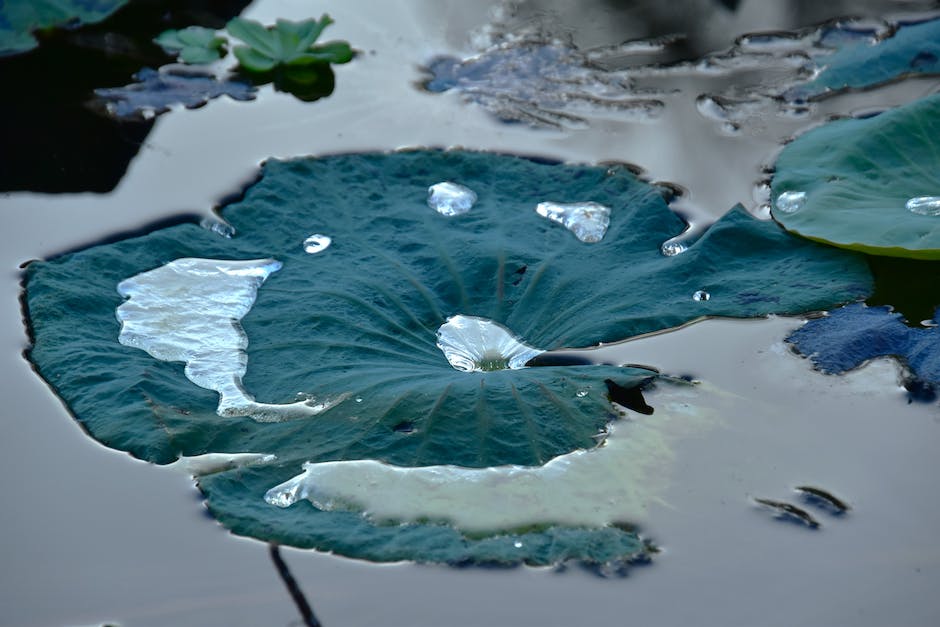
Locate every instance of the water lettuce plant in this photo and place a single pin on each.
(866, 184)
(287, 44)
(19, 19)
(193, 44)
(353, 318)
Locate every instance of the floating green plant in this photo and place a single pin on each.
(286, 44)
(353, 317)
(866, 184)
(193, 44)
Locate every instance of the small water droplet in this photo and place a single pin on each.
(358, 399)
(672, 248)
(587, 220)
(924, 205)
(701, 296)
(451, 199)
(581, 393)
(790, 202)
(517, 544)
(218, 226)
(317, 243)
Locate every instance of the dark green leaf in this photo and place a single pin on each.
(357, 323)
(858, 178)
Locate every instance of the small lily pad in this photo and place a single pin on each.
(194, 44)
(19, 19)
(355, 335)
(913, 49)
(866, 184)
(156, 90)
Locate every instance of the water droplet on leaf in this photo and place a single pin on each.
(317, 243)
(474, 344)
(587, 220)
(924, 205)
(451, 199)
(790, 202)
(701, 296)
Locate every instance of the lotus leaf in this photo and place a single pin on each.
(912, 49)
(20, 18)
(156, 91)
(194, 44)
(850, 336)
(285, 44)
(866, 184)
(354, 274)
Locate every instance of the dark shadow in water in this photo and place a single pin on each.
(306, 612)
(789, 513)
(307, 82)
(54, 143)
(910, 286)
(823, 499)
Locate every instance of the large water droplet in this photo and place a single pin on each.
(473, 344)
(587, 220)
(450, 199)
(924, 205)
(701, 296)
(317, 243)
(681, 242)
(790, 202)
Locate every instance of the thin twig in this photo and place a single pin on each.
(306, 612)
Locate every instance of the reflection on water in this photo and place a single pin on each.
(157, 562)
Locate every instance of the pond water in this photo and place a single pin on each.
(91, 536)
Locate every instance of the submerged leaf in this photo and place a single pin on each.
(850, 336)
(359, 327)
(19, 19)
(871, 184)
(155, 91)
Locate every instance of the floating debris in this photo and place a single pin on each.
(788, 511)
(822, 498)
(587, 220)
(473, 344)
(451, 199)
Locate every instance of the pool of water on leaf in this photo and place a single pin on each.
(91, 536)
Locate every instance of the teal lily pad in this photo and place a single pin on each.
(347, 276)
(193, 44)
(19, 19)
(287, 43)
(868, 184)
(914, 49)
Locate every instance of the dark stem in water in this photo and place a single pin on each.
(306, 612)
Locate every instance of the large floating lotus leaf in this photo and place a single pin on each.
(913, 49)
(357, 322)
(20, 18)
(852, 335)
(849, 183)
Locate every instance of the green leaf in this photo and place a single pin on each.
(912, 49)
(253, 60)
(20, 18)
(859, 176)
(356, 325)
(255, 35)
(194, 44)
(287, 43)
